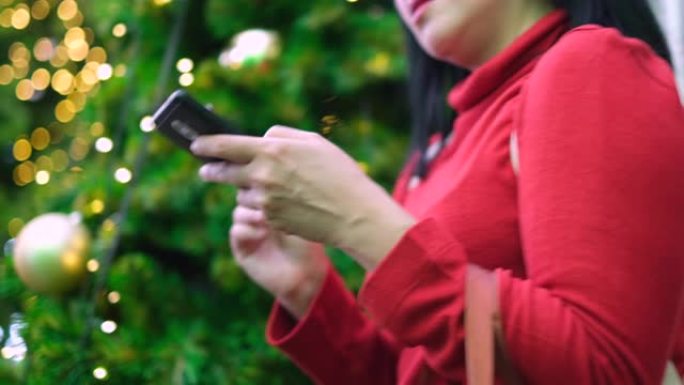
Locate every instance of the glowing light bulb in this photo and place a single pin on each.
(42, 177)
(123, 175)
(100, 373)
(105, 71)
(185, 65)
(93, 265)
(147, 124)
(119, 30)
(186, 80)
(114, 297)
(108, 327)
(104, 145)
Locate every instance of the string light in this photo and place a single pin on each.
(119, 30)
(97, 129)
(123, 175)
(185, 65)
(14, 226)
(60, 56)
(104, 145)
(22, 150)
(6, 17)
(105, 71)
(186, 80)
(147, 124)
(45, 163)
(24, 90)
(23, 174)
(6, 74)
(65, 111)
(40, 9)
(21, 17)
(60, 159)
(40, 80)
(120, 70)
(93, 265)
(40, 138)
(114, 297)
(62, 81)
(42, 177)
(79, 149)
(108, 327)
(43, 49)
(97, 206)
(67, 10)
(100, 373)
(97, 54)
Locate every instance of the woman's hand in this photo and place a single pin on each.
(307, 186)
(290, 268)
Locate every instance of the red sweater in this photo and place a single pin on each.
(586, 242)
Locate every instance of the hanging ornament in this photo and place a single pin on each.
(252, 46)
(50, 253)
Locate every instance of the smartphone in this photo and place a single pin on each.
(182, 119)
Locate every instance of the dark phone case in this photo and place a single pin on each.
(182, 119)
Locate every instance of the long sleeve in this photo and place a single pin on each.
(602, 214)
(334, 343)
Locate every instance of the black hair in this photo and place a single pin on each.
(430, 79)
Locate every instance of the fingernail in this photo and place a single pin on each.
(206, 171)
(194, 146)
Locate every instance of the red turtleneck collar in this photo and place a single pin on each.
(501, 68)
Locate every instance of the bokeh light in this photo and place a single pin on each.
(108, 327)
(97, 129)
(60, 159)
(97, 206)
(105, 71)
(123, 175)
(104, 145)
(40, 80)
(185, 65)
(114, 297)
(119, 30)
(6, 74)
(67, 10)
(40, 138)
(92, 265)
(24, 90)
(79, 149)
(42, 177)
(65, 111)
(147, 124)
(100, 373)
(14, 226)
(62, 81)
(21, 17)
(186, 80)
(22, 150)
(40, 9)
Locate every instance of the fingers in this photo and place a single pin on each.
(252, 198)
(233, 148)
(287, 132)
(223, 172)
(246, 215)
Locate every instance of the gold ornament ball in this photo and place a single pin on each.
(50, 253)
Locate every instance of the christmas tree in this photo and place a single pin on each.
(162, 301)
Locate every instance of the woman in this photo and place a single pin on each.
(576, 259)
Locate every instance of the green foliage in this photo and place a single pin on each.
(187, 314)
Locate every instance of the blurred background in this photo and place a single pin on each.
(152, 295)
